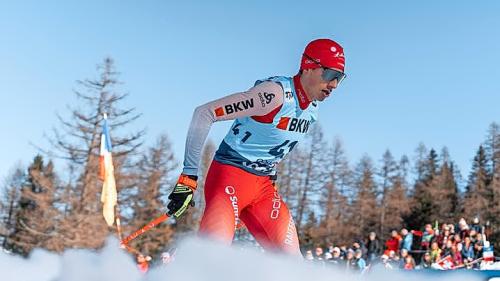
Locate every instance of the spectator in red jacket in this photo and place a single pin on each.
(143, 263)
(442, 238)
(457, 255)
(393, 243)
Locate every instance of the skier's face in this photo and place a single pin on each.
(316, 87)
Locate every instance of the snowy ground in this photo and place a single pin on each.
(195, 260)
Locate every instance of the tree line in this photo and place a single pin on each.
(336, 202)
(332, 200)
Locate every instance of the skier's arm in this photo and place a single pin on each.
(257, 101)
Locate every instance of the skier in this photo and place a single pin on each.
(270, 119)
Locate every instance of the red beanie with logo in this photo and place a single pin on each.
(326, 52)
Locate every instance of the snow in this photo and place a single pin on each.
(195, 260)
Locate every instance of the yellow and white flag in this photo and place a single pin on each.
(106, 172)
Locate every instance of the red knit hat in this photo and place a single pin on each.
(326, 52)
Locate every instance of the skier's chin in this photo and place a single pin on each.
(322, 96)
(325, 94)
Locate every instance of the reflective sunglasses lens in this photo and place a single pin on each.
(332, 74)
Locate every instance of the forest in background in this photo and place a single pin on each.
(332, 199)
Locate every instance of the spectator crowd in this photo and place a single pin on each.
(444, 247)
(448, 246)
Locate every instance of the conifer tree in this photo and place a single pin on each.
(333, 201)
(420, 161)
(9, 207)
(36, 216)
(78, 142)
(397, 206)
(423, 206)
(387, 174)
(492, 148)
(147, 201)
(492, 151)
(446, 190)
(476, 195)
(364, 205)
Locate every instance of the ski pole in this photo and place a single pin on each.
(145, 228)
(130, 249)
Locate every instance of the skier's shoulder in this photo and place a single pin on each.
(284, 83)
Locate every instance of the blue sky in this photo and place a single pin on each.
(425, 71)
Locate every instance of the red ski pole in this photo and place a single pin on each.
(145, 228)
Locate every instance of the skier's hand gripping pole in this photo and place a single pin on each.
(180, 199)
(182, 195)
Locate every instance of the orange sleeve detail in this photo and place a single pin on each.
(187, 181)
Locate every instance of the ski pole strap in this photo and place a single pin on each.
(145, 228)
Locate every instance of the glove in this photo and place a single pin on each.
(182, 195)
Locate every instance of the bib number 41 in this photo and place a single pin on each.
(279, 151)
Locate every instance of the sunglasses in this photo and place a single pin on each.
(329, 74)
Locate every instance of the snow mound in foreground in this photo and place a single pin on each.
(195, 260)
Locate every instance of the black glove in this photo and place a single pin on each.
(182, 195)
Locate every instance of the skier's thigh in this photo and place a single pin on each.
(271, 223)
(218, 221)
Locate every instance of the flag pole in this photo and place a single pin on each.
(118, 222)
